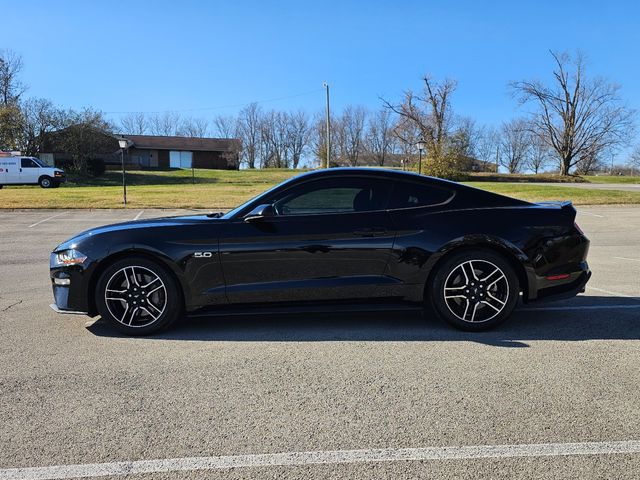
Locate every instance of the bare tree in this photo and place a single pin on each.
(10, 127)
(380, 140)
(514, 145)
(431, 113)
(408, 134)
(275, 140)
(249, 129)
(134, 123)
(166, 124)
(539, 154)
(11, 88)
(576, 116)
(318, 137)
(299, 133)
(589, 162)
(353, 122)
(225, 126)
(465, 138)
(488, 145)
(634, 158)
(39, 117)
(194, 127)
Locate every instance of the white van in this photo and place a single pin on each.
(17, 170)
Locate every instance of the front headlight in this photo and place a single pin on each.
(67, 257)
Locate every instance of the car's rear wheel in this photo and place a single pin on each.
(45, 182)
(475, 290)
(138, 296)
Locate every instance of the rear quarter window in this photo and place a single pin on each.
(411, 195)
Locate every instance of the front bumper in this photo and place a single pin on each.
(70, 290)
(55, 308)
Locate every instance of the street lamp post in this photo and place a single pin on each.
(422, 145)
(123, 143)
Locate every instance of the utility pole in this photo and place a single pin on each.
(328, 161)
(497, 157)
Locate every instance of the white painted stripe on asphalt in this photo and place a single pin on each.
(47, 219)
(631, 259)
(320, 457)
(138, 215)
(577, 307)
(609, 292)
(589, 213)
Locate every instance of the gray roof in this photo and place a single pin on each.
(185, 143)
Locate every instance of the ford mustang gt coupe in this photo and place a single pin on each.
(343, 238)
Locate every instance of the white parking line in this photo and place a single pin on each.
(320, 457)
(577, 307)
(631, 259)
(138, 215)
(609, 292)
(47, 219)
(589, 213)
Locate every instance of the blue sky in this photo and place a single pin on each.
(131, 56)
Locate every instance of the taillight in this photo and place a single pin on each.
(578, 228)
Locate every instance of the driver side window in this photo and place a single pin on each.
(340, 195)
(28, 163)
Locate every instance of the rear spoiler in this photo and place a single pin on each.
(565, 206)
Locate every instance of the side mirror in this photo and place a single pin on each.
(261, 212)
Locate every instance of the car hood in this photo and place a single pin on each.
(87, 235)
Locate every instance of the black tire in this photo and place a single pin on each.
(474, 301)
(146, 308)
(45, 182)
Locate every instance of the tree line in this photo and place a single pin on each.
(574, 124)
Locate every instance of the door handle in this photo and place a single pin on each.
(370, 232)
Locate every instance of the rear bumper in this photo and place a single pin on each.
(575, 284)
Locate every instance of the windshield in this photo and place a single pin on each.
(235, 211)
(39, 162)
(238, 209)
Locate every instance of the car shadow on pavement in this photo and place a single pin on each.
(582, 318)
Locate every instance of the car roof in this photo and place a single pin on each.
(375, 172)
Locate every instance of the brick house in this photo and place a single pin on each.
(148, 151)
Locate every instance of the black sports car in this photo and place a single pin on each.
(339, 238)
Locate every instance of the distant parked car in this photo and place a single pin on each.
(18, 170)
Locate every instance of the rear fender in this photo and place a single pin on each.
(518, 259)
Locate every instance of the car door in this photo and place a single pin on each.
(29, 171)
(330, 239)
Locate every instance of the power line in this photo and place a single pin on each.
(237, 105)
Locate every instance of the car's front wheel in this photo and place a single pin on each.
(475, 290)
(45, 182)
(138, 296)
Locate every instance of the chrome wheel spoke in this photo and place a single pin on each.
(476, 291)
(129, 315)
(488, 277)
(135, 296)
(120, 295)
(153, 282)
(473, 314)
(155, 317)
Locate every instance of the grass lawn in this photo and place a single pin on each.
(219, 189)
(579, 196)
(611, 179)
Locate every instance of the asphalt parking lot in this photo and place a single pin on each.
(72, 392)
